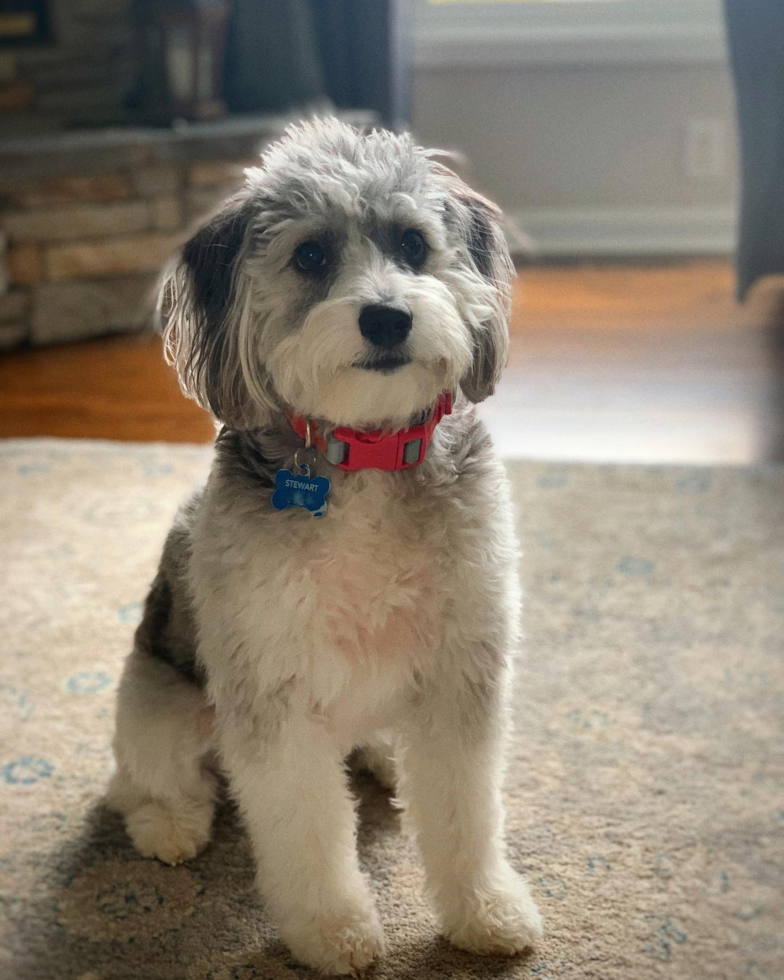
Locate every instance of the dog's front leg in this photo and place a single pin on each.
(293, 792)
(451, 783)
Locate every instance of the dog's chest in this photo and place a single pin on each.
(364, 581)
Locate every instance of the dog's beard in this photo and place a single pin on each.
(369, 399)
(326, 369)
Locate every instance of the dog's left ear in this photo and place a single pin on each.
(479, 223)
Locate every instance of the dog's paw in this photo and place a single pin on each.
(501, 919)
(172, 836)
(339, 945)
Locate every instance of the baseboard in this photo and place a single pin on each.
(623, 231)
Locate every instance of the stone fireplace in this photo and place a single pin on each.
(92, 204)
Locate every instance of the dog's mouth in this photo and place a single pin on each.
(384, 363)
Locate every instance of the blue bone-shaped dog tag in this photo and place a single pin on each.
(301, 490)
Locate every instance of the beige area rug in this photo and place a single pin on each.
(646, 783)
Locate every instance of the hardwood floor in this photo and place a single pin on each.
(114, 388)
(643, 363)
(646, 363)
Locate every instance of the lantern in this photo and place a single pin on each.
(183, 43)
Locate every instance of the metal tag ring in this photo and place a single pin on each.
(305, 457)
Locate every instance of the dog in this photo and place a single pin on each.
(340, 317)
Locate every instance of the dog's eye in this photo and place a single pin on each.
(413, 247)
(310, 257)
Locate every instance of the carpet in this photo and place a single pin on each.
(646, 779)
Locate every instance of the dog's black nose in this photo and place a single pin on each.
(384, 326)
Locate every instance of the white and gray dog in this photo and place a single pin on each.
(344, 294)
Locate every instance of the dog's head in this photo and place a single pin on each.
(352, 280)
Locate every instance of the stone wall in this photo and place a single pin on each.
(88, 219)
(82, 252)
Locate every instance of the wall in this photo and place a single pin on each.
(88, 220)
(614, 147)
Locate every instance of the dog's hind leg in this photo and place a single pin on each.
(163, 736)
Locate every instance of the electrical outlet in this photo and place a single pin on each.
(705, 148)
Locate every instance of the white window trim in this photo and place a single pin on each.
(568, 32)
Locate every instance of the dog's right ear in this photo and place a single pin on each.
(200, 302)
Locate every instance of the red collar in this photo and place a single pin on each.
(351, 450)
